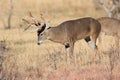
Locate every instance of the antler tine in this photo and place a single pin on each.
(27, 27)
(33, 18)
(30, 14)
(32, 24)
(42, 17)
(26, 21)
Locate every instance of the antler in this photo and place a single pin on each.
(35, 22)
(33, 18)
(26, 21)
(30, 14)
(29, 24)
(42, 17)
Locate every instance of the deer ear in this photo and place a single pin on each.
(47, 25)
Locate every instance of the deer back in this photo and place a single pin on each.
(109, 25)
(74, 30)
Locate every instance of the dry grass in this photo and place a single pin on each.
(25, 58)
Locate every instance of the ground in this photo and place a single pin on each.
(25, 60)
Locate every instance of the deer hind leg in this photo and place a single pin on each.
(97, 55)
(91, 42)
(87, 39)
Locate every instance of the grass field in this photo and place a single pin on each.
(25, 60)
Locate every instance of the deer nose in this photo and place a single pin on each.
(38, 43)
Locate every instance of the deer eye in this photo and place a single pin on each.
(41, 34)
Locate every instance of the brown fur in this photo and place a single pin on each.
(73, 30)
(110, 26)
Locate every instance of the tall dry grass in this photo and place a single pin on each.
(25, 60)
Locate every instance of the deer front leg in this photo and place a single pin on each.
(67, 47)
(70, 48)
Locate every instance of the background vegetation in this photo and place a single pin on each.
(23, 59)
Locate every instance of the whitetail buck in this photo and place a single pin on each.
(68, 32)
(110, 26)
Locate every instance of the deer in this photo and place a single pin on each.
(68, 32)
(110, 27)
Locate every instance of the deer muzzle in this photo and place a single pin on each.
(39, 42)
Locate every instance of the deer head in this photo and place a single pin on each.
(41, 27)
(42, 33)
